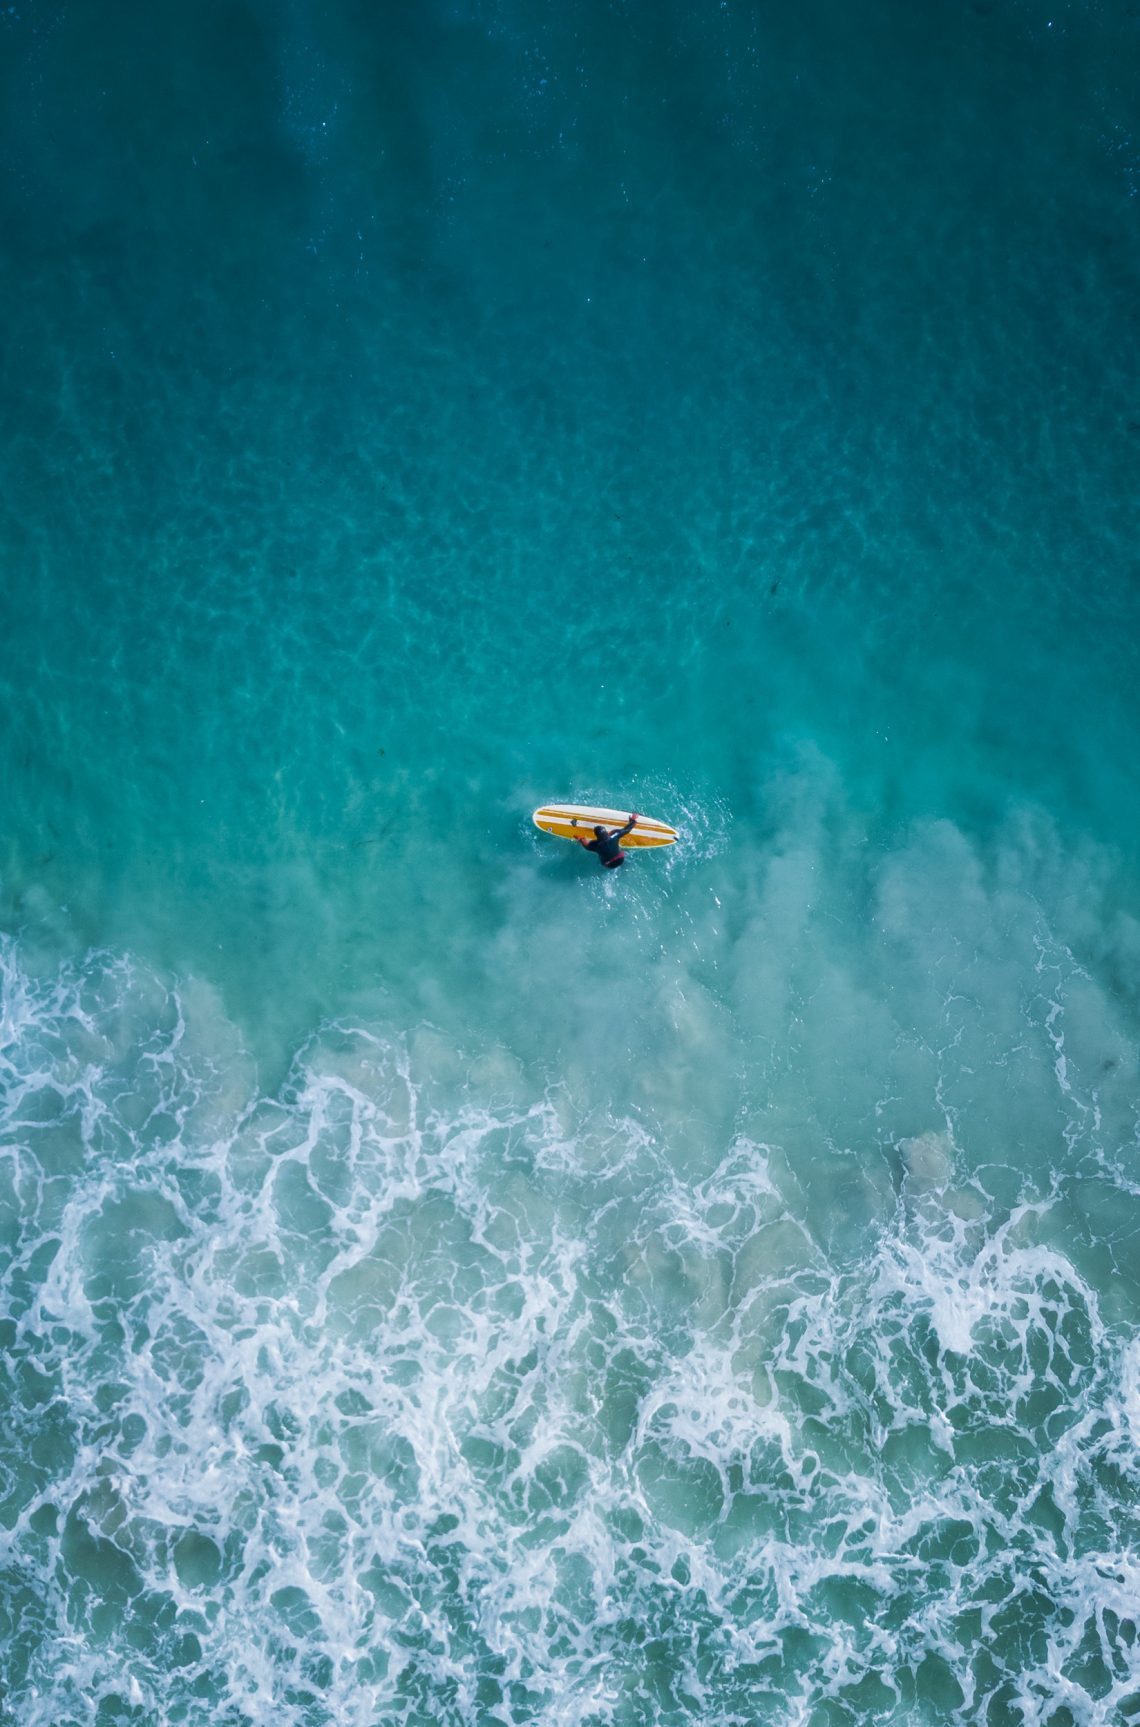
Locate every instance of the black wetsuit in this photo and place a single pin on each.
(609, 852)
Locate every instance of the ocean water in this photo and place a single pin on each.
(442, 1282)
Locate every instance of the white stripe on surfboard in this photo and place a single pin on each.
(603, 818)
(580, 815)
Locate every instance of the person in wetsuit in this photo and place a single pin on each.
(605, 845)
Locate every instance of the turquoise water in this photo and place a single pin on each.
(442, 1282)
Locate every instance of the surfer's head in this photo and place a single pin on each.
(599, 833)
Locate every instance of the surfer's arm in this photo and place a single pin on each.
(620, 833)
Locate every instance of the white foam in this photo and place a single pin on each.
(467, 1363)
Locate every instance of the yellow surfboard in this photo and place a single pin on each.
(577, 822)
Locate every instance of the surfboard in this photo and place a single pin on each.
(578, 821)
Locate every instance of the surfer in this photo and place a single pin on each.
(605, 845)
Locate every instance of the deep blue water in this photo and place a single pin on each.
(442, 1282)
